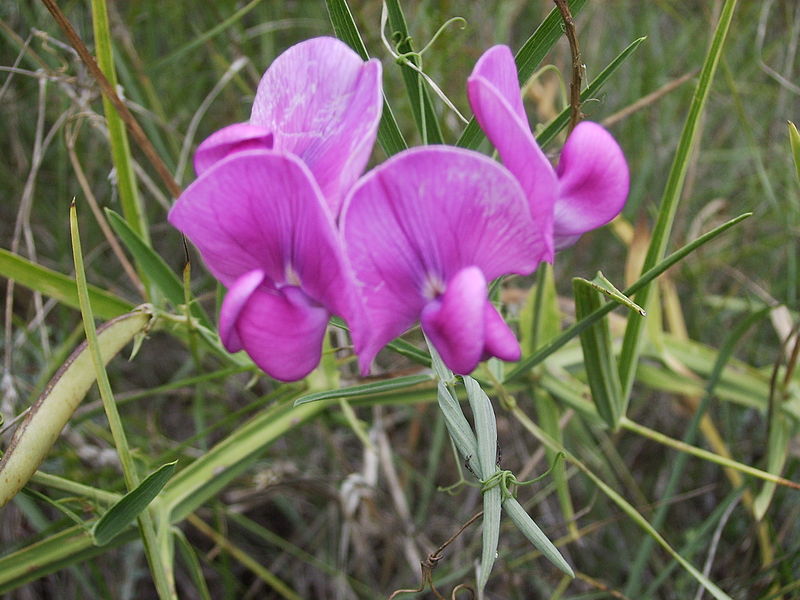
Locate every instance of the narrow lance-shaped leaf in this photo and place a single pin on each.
(58, 286)
(378, 387)
(598, 355)
(120, 515)
(486, 433)
(39, 430)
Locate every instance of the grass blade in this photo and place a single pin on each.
(631, 346)
(61, 287)
(396, 383)
(598, 356)
(120, 148)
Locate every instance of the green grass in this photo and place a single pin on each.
(281, 502)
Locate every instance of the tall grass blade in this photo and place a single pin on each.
(598, 356)
(631, 346)
(120, 148)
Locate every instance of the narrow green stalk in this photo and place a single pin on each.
(705, 454)
(120, 148)
(163, 580)
(631, 346)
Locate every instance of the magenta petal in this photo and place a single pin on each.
(323, 103)
(593, 180)
(454, 322)
(494, 95)
(421, 217)
(499, 339)
(282, 331)
(497, 67)
(226, 141)
(263, 210)
(235, 301)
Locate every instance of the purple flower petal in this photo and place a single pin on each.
(232, 306)
(226, 141)
(499, 339)
(282, 331)
(322, 103)
(454, 321)
(593, 182)
(414, 222)
(262, 210)
(494, 95)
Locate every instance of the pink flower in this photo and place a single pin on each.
(318, 101)
(262, 211)
(425, 231)
(590, 185)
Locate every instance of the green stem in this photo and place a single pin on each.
(163, 580)
(120, 149)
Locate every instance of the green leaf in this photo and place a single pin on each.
(164, 278)
(598, 355)
(527, 59)
(58, 286)
(525, 365)
(120, 515)
(556, 125)
(458, 427)
(366, 389)
(605, 287)
(486, 433)
(389, 136)
(535, 536)
(631, 346)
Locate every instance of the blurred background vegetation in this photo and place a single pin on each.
(318, 509)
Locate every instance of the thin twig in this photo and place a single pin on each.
(108, 91)
(577, 64)
(432, 560)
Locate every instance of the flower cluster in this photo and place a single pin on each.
(283, 218)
